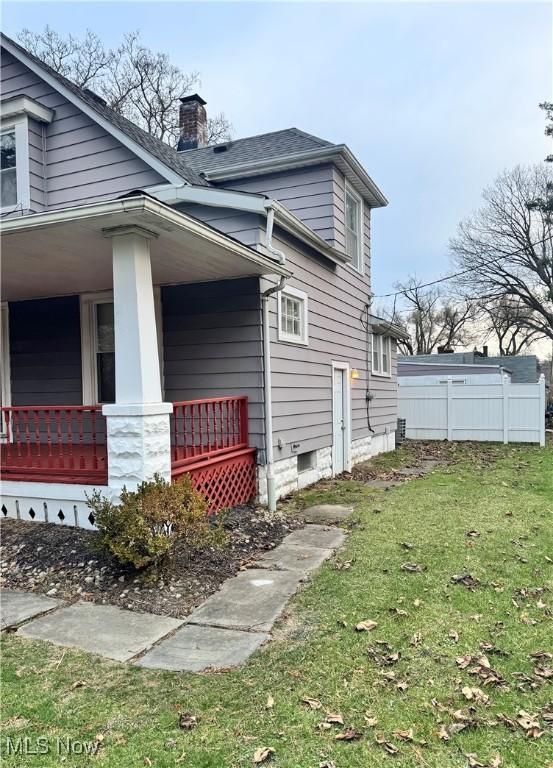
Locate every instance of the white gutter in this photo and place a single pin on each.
(172, 194)
(137, 205)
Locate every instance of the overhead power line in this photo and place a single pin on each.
(460, 273)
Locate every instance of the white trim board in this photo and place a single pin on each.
(20, 126)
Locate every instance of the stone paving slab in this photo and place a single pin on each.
(320, 536)
(289, 557)
(194, 648)
(103, 629)
(251, 600)
(326, 513)
(16, 607)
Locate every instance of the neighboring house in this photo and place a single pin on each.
(203, 310)
(525, 369)
(409, 372)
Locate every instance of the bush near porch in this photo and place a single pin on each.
(489, 517)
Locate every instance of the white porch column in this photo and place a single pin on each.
(138, 437)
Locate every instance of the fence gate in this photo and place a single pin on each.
(506, 412)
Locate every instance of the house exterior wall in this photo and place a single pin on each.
(81, 161)
(213, 346)
(245, 227)
(315, 195)
(45, 352)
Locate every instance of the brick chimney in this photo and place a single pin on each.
(192, 123)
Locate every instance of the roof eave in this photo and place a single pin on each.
(338, 153)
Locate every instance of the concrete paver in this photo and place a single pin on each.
(16, 607)
(289, 557)
(103, 629)
(326, 513)
(194, 648)
(321, 536)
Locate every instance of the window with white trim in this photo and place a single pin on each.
(8, 170)
(14, 165)
(98, 345)
(381, 355)
(292, 316)
(354, 228)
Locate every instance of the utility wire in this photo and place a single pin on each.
(462, 272)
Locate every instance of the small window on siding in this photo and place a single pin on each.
(354, 229)
(292, 316)
(8, 170)
(381, 355)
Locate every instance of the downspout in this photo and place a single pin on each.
(267, 384)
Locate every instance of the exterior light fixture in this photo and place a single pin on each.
(354, 373)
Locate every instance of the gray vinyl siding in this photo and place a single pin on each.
(45, 352)
(315, 195)
(213, 346)
(242, 226)
(302, 375)
(83, 163)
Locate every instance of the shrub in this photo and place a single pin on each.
(144, 527)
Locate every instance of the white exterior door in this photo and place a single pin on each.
(339, 420)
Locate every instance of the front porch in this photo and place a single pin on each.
(67, 444)
(127, 365)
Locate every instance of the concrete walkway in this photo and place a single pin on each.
(222, 632)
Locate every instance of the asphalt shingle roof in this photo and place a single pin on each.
(266, 146)
(159, 149)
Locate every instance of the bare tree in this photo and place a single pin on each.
(506, 249)
(507, 320)
(138, 83)
(431, 318)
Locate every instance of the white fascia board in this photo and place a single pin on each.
(211, 196)
(139, 151)
(23, 105)
(139, 205)
(339, 153)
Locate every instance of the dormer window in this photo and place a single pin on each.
(8, 170)
(354, 228)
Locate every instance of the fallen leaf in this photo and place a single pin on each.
(270, 702)
(99, 737)
(370, 719)
(463, 661)
(416, 639)
(472, 534)
(402, 686)
(398, 612)
(496, 761)
(334, 719)
(404, 735)
(417, 603)
(473, 761)
(327, 764)
(475, 694)
(366, 626)
(447, 731)
(147, 761)
(311, 703)
(529, 724)
(468, 581)
(390, 748)
(187, 721)
(412, 567)
(453, 635)
(78, 684)
(350, 734)
(262, 754)
(541, 655)
(544, 672)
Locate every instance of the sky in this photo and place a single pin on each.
(435, 99)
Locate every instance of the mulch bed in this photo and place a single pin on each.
(421, 454)
(63, 562)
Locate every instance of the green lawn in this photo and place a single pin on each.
(504, 493)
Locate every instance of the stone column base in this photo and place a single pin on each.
(138, 442)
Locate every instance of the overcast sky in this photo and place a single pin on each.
(433, 98)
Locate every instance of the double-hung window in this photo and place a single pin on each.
(381, 355)
(8, 169)
(292, 316)
(354, 228)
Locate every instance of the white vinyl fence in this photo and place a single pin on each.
(508, 413)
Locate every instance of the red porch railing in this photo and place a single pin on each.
(65, 444)
(209, 441)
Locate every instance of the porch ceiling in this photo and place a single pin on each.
(66, 252)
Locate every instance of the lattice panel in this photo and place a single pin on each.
(228, 481)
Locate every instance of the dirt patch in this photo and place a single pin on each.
(63, 562)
